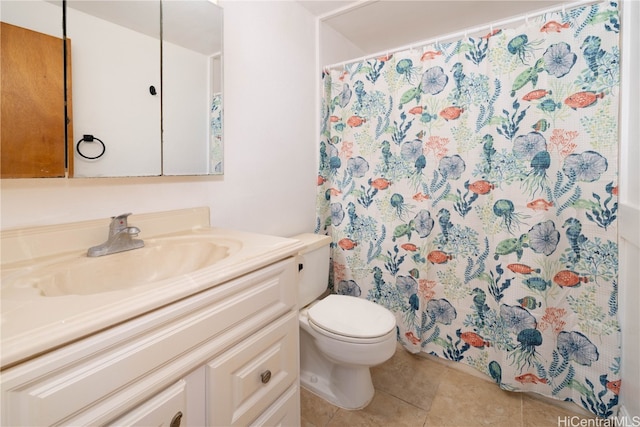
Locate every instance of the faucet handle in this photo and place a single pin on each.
(119, 222)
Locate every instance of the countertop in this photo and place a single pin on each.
(32, 324)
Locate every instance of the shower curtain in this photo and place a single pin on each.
(471, 188)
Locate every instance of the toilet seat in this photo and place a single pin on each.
(345, 316)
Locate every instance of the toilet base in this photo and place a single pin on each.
(346, 387)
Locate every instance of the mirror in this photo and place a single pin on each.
(192, 87)
(155, 105)
(152, 108)
(115, 59)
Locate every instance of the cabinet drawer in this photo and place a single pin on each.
(284, 412)
(112, 371)
(165, 409)
(238, 389)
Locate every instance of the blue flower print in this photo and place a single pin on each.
(451, 167)
(544, 238)
(558, 59)
(357, 166)
(334, 160)
(407, 285)
(423, 223)
(517, 318)
(434, 80)
(441, 311)
(348, 287)
(411, 150)
(337, 213)
(587, 166)
(345, 96)
(527, 146)
(577, 347)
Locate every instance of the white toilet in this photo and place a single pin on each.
(341, 337)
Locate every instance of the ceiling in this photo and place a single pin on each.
(378, 25)
(195, 25)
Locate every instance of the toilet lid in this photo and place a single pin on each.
(352, 317)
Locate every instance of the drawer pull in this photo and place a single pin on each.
(175, 421)
(265, 376)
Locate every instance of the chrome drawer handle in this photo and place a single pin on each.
(265, 376)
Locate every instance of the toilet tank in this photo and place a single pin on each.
(313, 278)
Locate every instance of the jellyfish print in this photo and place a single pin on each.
(400, 207)
(523, 48)
(525, 353)
(405, 68)
(510, 219)
(536, 180)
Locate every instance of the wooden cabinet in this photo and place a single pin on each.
(32, 134)
(199, 361)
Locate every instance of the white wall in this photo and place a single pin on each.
(629, 215)
(334, 47)
(270, 141)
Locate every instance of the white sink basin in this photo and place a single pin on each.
(159, 259)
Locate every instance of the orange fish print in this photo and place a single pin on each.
(355, 121)
(451, 113)
(480, 187)
(380, 183)
(614, 190)
(614, 386)
(522, 269)
(334, 119)
(343, 75)
(539, 205)
(347, 244)
(491, 34)
(583, 99)
(321, 180)
(416, 110)
(384, 58)
(474, 340)
(411, 337)
(568, 279)
(536, 94)
(553, 26)
(530, 378)
(420, 197)
(430, 54)
(335, 192)
(409, 247)
(438, 257)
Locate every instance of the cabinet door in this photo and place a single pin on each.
(32, 133)
(243, 382)
(164, 409)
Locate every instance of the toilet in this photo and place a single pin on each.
(341, 336)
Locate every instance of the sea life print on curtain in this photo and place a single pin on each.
(471, 188)
(215, 136)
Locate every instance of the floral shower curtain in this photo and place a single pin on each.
(471, 188)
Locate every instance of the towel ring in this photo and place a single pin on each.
(90, 138)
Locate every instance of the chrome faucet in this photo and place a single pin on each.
(121, 238)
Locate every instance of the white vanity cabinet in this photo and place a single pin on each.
(225, 356)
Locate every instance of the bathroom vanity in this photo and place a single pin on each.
(216, 345)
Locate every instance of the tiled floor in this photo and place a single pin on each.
(414, 391)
